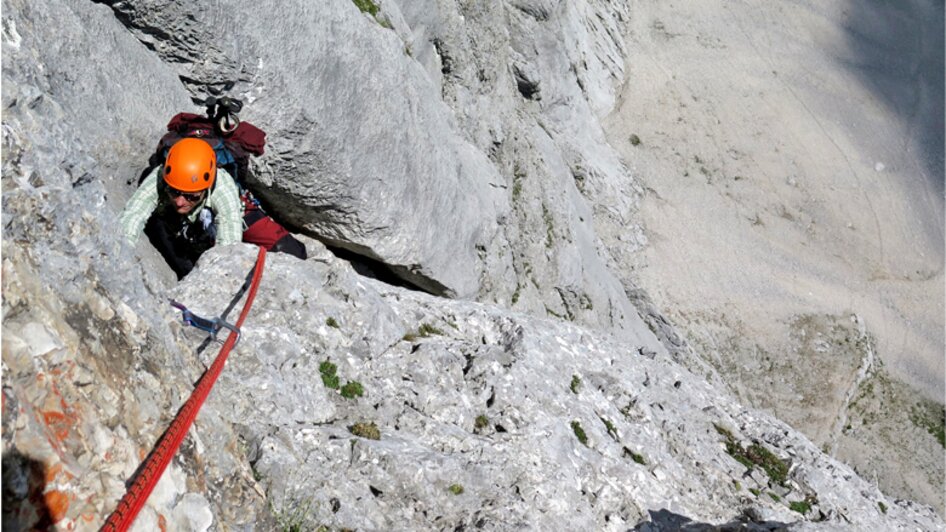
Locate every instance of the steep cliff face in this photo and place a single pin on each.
(459, 146)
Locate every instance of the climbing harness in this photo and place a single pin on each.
(154, 465)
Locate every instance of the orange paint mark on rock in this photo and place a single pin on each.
(142, 454)
(58, 424)
(53, 472)
(162, 523)
(57, 503)
(88, 518)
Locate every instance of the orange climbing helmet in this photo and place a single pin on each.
(191, 165)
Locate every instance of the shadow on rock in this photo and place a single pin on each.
(24, 501)
(897, 52)
(667, 521)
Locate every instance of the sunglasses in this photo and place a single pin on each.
(189, 196)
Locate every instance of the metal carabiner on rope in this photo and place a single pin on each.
(220, 324)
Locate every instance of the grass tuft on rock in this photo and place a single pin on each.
(637, 457)
(456, 489)
(580, 433)
(365, 430)
(367, 6)
(481, 422)
(330, 321)
(756, 455)
(328, 370)
(612, 430)
(425, 330)
(292, 517)
(352, 389)
(576, 384)
(802, 507)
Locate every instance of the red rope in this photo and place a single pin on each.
(154, 466)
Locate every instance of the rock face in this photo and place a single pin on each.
(460, 148)
(363, 151)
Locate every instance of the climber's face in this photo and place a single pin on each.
(184, 202)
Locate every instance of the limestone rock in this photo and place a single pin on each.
(495, 195)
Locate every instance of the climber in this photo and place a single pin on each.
(196, 205)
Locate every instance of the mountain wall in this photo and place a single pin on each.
(510, 384)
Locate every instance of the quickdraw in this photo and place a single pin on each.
(212, 326)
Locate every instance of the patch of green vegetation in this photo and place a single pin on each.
(771, 464)
(517, 176)
(882, 506)
(637, 457)
(329, 376)
(736, 484)
(612, 430)
(516, 294)
(481, 422)
(635, 140)
(292, 517)
(425, 330)
(456, 489)
(775, 497)
(549, 226)
(576, 384)
(365, 430)
(756, 455)
(367, 6)
(330, 321)
(802, 507)
(551, 312)
(931, 418)
(580, 433)
(755, 492)
(352, 389)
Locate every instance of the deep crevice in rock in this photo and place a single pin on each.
(372, 268)
(394, 275)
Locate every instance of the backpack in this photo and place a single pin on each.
(233, 148)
